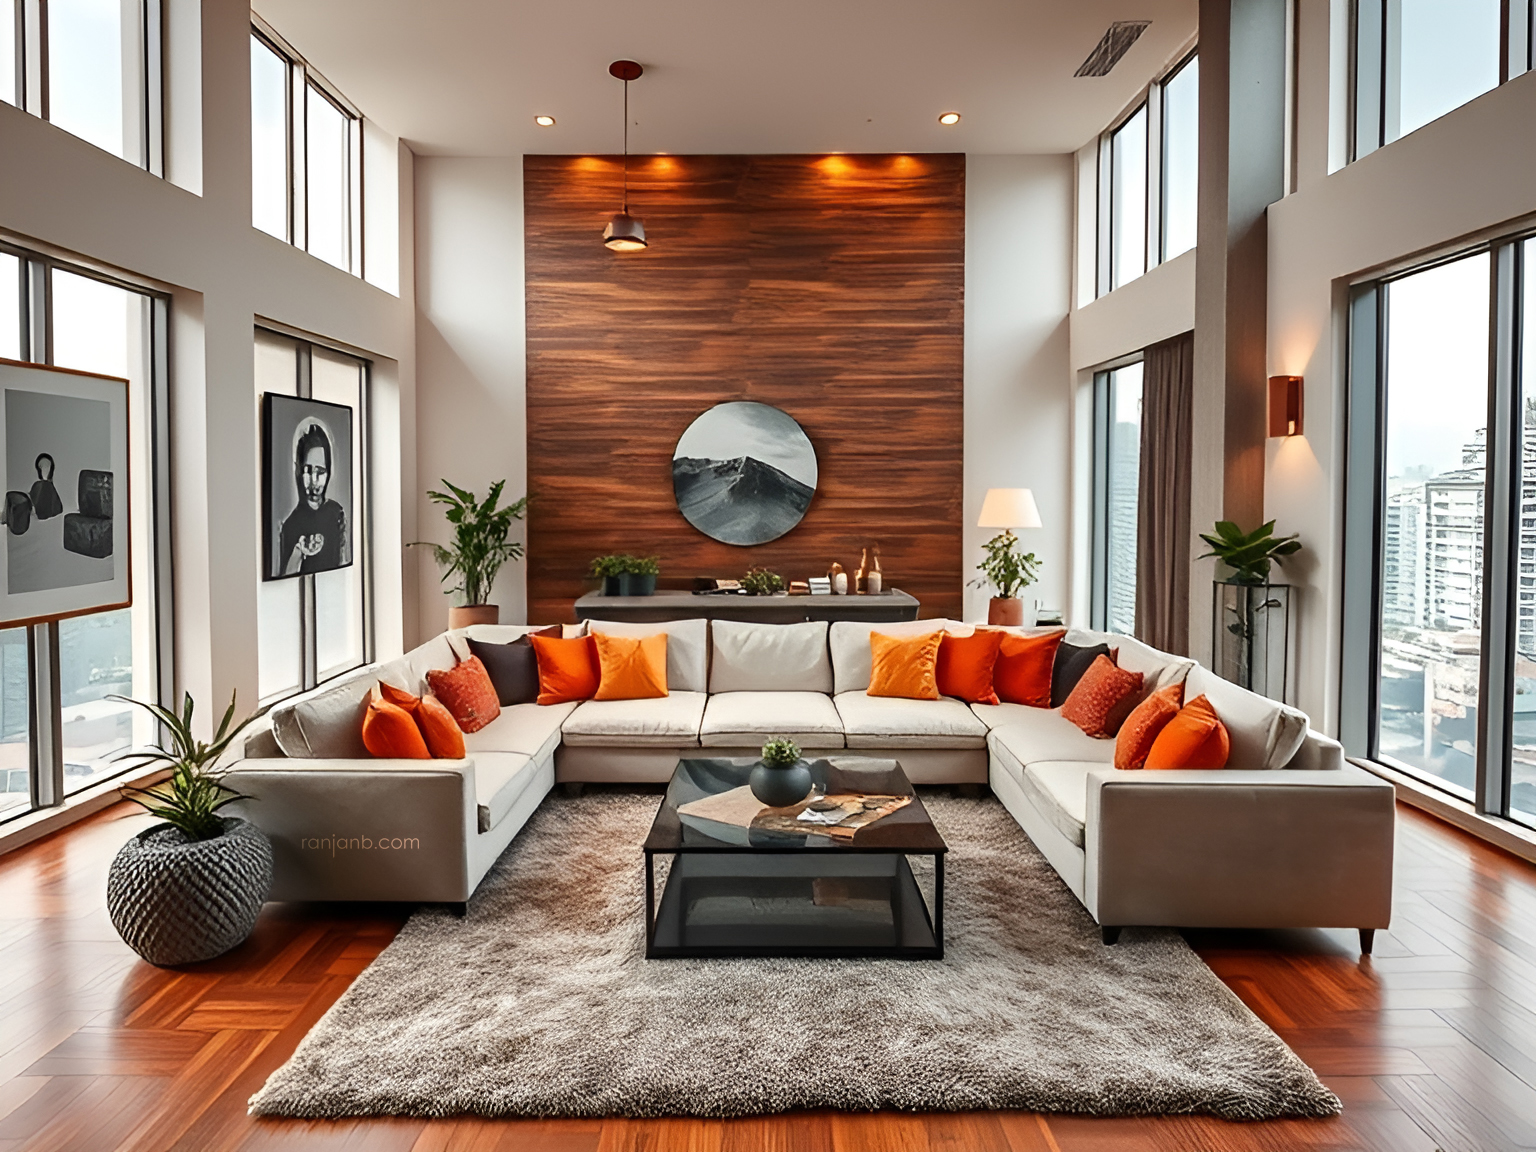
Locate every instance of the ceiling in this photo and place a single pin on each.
(466, 77)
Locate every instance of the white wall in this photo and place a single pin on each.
(471, 416)
(1150, 308)
(61, 194)
(1018, 394)
(1461, 176)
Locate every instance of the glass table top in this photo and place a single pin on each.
(908, 829)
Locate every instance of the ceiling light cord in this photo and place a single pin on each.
(626, 148)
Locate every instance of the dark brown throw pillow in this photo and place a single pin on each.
(512, 667)
(1071, 662)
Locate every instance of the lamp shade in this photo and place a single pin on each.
(624, 233)
(1009, 508)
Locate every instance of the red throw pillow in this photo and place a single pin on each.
(468, 694)
(1195, 738)
(965, 666)
(1101, 700)
(1144, 723)
(568, 669)
(389, 730)
(1022, 674)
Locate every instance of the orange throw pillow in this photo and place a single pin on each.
(905, 666)
(965, 666)
(468, 694)
(444, 737)
(389, 731)
(1022, 674)
(1103, 698)
(1144, 723)
(1195, 738)
(631, 668)
(568, 669)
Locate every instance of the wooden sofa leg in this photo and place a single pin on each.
(1109, 935)
(1367, 940)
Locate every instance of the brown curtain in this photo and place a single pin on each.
(1162, 530)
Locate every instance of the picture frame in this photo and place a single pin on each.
(308, 503)
(64, 517)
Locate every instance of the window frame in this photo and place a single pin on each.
(1101, 447)
(306, 83)
(45, 707)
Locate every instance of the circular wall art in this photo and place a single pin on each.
(744, 473)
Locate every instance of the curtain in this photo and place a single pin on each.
(1162, 528)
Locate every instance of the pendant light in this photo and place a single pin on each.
(625, 233)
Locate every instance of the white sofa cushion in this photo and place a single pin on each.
(1033, 735)
(849, 644)
(670, 721)
(1264, 732)
(687, 649)
(499, 633)
(736, 719)
(1059, 790)
(327, 724)
(894, 722)
(532, 729)
(500, 778)
(769, 657)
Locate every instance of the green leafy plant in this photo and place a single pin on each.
(192, 796)
(614, 564)
(762, 582)
(1249, 554)
(780, 752)
(1006, 569)
(480, 545)
(643, 565)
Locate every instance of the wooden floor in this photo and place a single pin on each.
(1431, 1044)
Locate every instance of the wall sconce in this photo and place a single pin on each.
(1285, 406)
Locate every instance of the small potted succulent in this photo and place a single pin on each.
(189, 888)
(762, 582)
(642, 572)
(613, 571)
(480, 547)
(781, 777)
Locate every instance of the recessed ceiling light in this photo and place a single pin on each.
(950, 118)
(544, 121)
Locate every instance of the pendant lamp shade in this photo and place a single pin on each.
(624, 233)
(1009, 508)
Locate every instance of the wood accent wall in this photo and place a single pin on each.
(828, 286)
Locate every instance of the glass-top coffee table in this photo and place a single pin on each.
(753, 891)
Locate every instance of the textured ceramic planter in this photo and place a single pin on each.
(1006, 611)
(463, 617)
(779, 787)
(176, 901)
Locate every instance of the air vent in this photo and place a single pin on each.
(1115, 44)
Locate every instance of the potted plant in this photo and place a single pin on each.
(613, 571)
(1251, 615)
(762, 582)
(1009, 572)
(480, 547)
(189, 888)
(642, 572)
(781, 777)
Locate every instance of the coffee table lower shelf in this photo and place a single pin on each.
(823, 904)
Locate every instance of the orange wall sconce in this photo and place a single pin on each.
(1285, 406)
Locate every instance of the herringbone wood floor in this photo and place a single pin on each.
(1431, 1044)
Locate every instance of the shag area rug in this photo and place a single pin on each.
(540, 1002)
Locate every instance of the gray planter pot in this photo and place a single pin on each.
(178, 902)
(779, 787)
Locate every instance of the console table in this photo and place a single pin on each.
(881, 608)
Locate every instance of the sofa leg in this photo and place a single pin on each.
(1367, 940)
(572, 788)
(459, 909)
(1109, 935)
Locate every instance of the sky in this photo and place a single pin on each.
(744, 428)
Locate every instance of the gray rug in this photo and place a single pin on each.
(540, 1002)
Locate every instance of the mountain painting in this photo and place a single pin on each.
(744, 473)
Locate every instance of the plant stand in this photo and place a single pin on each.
(1250, 636)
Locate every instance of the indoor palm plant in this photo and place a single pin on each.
(190, 887)
(1009, 572)
(480, 547)
(1252, 615)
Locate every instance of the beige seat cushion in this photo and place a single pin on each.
(500, 778)
(1059, 790)
(736, 719)
(892, 722)
(1037, 734)
(1264, 733)
(687, 648)
(848, 641)
(668, 721)
(532, 729)
(769, 657)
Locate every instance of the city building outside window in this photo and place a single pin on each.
(1116, 496)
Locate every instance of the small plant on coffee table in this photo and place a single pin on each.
(780, 752)
(761, 582)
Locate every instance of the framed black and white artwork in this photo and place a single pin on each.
(64, 439)
(307, 497)
(744, 473)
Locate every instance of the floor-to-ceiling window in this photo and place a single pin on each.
(53, 313)
(1116, 494)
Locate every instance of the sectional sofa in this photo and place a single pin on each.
(1288, 835)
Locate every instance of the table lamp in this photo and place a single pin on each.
(1006, 570)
